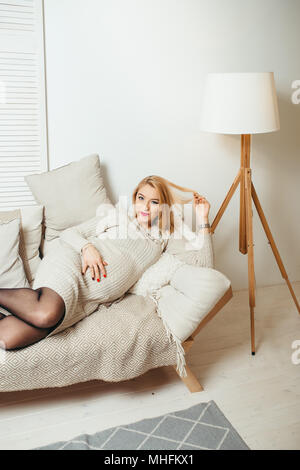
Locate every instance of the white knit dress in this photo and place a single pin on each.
(127, 258)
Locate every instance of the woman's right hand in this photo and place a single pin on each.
(92, 259)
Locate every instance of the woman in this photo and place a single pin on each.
(63, 292)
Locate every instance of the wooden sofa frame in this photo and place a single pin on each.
(191, 380)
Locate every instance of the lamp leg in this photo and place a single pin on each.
(226, 202)
(272, 243)
(245, 150)
(251, 273)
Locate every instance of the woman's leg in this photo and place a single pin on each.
(16, 334)
(42, 307)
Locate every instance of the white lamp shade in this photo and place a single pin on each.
(239, 103)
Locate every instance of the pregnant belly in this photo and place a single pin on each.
(121, 275)
(127, 260)
(122, 269)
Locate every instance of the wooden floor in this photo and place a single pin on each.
(260, 395)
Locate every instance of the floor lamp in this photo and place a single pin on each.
(245, 104)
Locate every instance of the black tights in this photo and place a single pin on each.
(35, 312)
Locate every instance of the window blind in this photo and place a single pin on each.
(23, 123)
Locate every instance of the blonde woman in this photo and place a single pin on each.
(65, 291)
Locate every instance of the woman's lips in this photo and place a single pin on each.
(144, 213)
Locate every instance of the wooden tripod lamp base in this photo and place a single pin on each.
(247, 193)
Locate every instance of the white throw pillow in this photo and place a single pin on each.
(193, 291)
(70, 194)
(31, 218)
(12, 273)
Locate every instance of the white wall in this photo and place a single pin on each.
(124, 79)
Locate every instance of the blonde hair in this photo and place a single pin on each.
(167, 198)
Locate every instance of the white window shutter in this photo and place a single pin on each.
(23, 122)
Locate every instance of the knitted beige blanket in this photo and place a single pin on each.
(115, 343)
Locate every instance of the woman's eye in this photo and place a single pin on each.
(141, 197)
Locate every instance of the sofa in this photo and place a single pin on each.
(120, 340)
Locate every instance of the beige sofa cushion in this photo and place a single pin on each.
(70, 194)
(12, 273)
(31, 218)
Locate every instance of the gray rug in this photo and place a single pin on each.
(202, 426)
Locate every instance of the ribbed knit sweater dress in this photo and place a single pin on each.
(127, 258)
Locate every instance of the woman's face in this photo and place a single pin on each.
(147, 205)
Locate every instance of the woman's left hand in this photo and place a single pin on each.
(201, 206)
